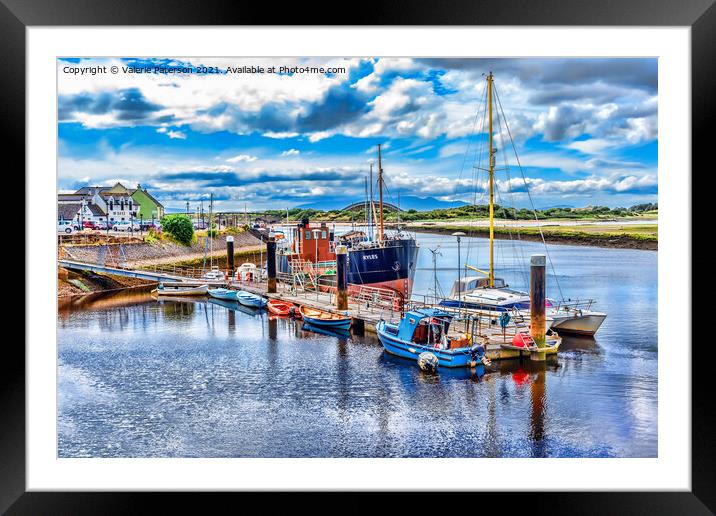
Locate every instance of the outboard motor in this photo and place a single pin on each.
(428, 362)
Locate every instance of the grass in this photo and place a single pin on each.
(589, 233)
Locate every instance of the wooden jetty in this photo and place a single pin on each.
(367, 306)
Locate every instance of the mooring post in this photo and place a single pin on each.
(229, 256)
(342, 277)
(271, 262)
(538, 267)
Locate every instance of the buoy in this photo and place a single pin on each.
(522, 340)
(428, 362)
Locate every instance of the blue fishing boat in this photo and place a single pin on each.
(426, 330)
(250, 300)
(223, 293)
(323, 319)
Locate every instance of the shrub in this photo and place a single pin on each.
(179, 227)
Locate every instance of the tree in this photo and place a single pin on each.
(180, 227)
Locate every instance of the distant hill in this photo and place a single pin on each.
(407, 202)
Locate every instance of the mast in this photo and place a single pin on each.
(380, 187)
(371, 207)
(491, 157)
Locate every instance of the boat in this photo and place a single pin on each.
(339, 333)
(489, 293)
(283, 308)
(223, 293)
(474, 293)
(323, 319)
(214, 274)
(250, 300)
(163, 290)
(375, 258)
(427, 331)
(247, 272)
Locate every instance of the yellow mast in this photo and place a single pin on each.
(380, 187)
(491, 276)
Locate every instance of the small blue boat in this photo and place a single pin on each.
(426, 330)
(223, 293)
(250, 300)
(323, 319)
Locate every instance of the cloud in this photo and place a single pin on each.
(242, 158)
(176, 135)
(290, 152)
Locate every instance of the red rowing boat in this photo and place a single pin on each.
(277, 307)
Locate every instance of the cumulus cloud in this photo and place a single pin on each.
(291, 152)
(241, 158)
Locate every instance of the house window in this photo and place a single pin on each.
(130, 205)
(323, 235)
(111, 205)
(121, 205)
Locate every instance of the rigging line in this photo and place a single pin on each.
(529, 195)
(479, 151)
(517, 250)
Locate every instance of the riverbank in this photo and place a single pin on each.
(71, 284)
(621, 236)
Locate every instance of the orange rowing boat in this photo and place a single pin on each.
(278, 307)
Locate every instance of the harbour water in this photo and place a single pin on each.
(195, 378)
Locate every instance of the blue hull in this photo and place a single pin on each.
(339, 333)
(461, 357)
(221, 293)
(343, 324)
(251, 300)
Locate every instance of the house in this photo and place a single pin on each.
(149, 207)
(116, 203)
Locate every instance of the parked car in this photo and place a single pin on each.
(102, 226)
(65, 226)
(125, 225)
(88, 224)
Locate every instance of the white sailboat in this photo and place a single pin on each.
(488, 293)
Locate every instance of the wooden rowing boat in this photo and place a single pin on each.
(163, 290)
(324, 319)
(278, 307)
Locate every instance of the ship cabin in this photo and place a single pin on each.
(472, 283)
(314, 243)
(427, 326)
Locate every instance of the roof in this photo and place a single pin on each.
(96, 210)
(68, 211)
(87, 190)
(151, 197)
(70, 197)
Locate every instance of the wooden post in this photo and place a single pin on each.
(538, 264)
(271, 263)
(230, 256)
(341, 277)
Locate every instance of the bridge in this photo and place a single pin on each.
(360, 206)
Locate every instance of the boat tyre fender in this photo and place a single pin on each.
(428, 362)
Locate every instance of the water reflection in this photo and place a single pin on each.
(211, 378)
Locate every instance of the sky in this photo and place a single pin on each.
(569, 132)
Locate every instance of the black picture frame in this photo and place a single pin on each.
(16, 15)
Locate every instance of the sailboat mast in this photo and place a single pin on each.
(491, 277)
(380, 186)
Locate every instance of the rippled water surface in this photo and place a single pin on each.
(196, 378)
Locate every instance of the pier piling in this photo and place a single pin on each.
(271, 263)
(341, 277)
(230, 255)
(538, 264)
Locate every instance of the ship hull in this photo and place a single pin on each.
(391, 266)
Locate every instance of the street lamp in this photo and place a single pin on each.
(458, 235)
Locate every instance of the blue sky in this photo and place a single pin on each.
(585, 130)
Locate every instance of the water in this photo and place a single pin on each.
(141, 378)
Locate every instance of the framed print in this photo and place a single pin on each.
(440, 250)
